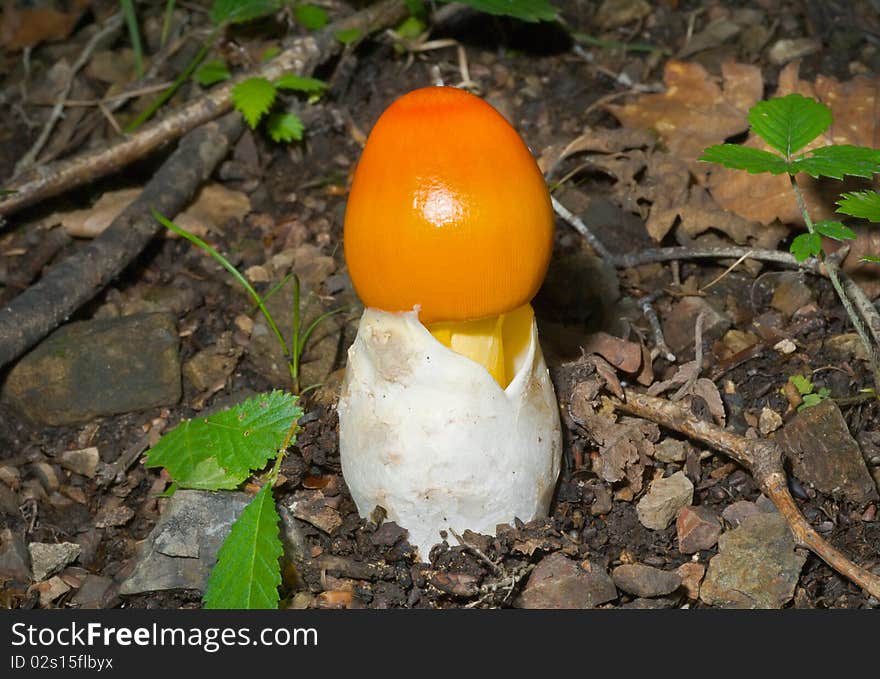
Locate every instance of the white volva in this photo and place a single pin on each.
(431, 437)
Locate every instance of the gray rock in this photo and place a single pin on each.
(739, 511)
(697, 528)
(14, 558)
(671, 450)
(651, 604)
(49, 558)
(645, 581)
(756, 565)
(97, 591)
(182, 547)
(84, 461)
(663, 500)
(822, 453)
(98, 367)
(559, 582)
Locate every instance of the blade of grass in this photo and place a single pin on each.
(166, 22)
(225, 263)
(135, 34)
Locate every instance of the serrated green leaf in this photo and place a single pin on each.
(253, 97)
(838, 161)
(834, 230)
(247, 573)
(525, 10)
(239, 11)
(348, 36)
(745, 158)
(310, 17)
(789, 123)
(285, 127)
(806, 245)
(221, 450)
(802, 384)
(211, 72)
(298, 83)
(864, 204)
(870, 258)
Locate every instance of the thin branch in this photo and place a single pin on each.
(582, 229)
(646, 303)
(301, 56)
(763, 459)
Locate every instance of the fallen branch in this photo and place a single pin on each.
(763, 459)
(301, 56)
(50, 301)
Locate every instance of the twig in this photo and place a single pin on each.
(647, 305)
(651, 256)
(64, 288)
(763, 459)
(495, 568)
(300, 56)
(582, 229)
(688, 386)
(112, 25)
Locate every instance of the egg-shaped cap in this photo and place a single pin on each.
(448, 211)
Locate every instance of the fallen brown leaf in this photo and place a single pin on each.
(26, 27)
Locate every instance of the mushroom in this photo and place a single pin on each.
(447, 417)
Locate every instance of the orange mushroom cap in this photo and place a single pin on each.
(448, 210)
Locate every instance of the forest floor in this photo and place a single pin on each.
(580, 92)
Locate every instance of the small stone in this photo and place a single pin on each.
(663, 500)
(83, 461)
(14, 558)
(47, 475)
(824, 454)
(769, 421)
(671, 450)
(791, 293)
(698, 528)
(757, 565)
(51, 589)
(645, 581)
(116, 516)
(98, 367)
(616, 13)
(846, 347)
(10, 476)
(560, 583)
(787, 50)
(736, 341)
(8, 500)
(785, 346)
(211, 366)
(678, 326)
(739, 511)
(309, 506)
(194, 525)
(691, 574)
(49, 558)
(96, 591)
(257, 274)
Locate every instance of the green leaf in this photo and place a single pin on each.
(864, 204)
(253, 97)
(805, 246)
(834, 230)
(802, 384)
(219, 451)
(838, 160)
(285, 127)
(411, 28)
(348, 36)
(745, 158)
(211, 72)
(247, 573)
(870, 258)
(292, 81)
(8, 192)
(525, 10)
(789, 123)
(310, 17)
(270, 53)
(239, 11)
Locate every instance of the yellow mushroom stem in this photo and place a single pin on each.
(495, 343)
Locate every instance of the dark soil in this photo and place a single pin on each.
(534, 78)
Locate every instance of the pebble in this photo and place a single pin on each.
(51, 589)
(14, 557)
(96, 591)
(697, 528)
(736, 513)
(664, 498)
(757, 565)
(561, 583)
(83, 461)
(671, 450)
(691, 574)
(769, 421)
(645, 581)
(49, 558)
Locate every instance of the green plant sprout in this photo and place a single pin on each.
(788, 124)
(805, 388)
(300, 336)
